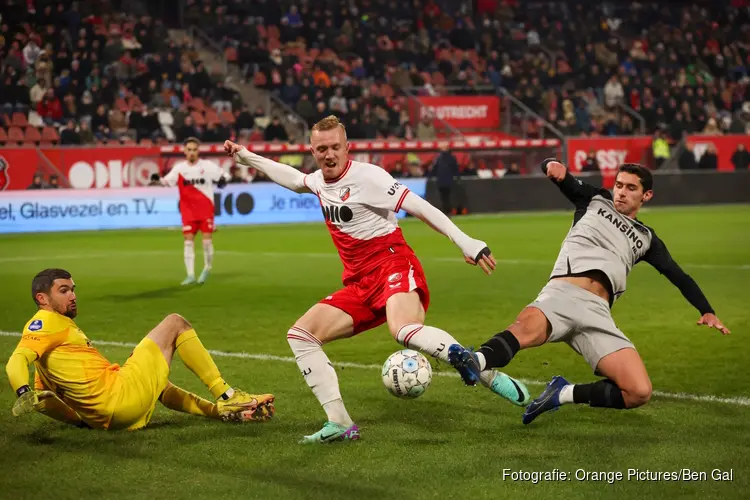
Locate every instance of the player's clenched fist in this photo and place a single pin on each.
(232, 148)
(556, 170)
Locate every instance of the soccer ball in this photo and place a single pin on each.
(407, 374)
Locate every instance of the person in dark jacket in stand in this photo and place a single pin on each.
(444, 171)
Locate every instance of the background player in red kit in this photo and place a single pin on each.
(383, 279)
(195, 179)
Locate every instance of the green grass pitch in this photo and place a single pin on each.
(454, 441)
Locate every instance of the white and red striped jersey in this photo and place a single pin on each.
(360, 209)
(196, 185)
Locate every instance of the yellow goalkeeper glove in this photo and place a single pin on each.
(28, 400)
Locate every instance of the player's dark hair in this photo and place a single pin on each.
(42, 282)
(644, 174)
(192, 139)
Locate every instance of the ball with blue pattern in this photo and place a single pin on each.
(407, 374)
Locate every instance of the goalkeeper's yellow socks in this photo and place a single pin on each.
(199, 361)
(178, 399)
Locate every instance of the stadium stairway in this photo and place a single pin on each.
(252, 96)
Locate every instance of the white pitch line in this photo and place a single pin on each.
(308, 255)
(703, 398)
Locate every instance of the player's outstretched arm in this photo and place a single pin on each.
(659, 257)
(475, 252)
(283, 175)
(577, 191)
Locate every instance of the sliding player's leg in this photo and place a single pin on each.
(406, 315)
(325, 322)
(188, 232)
(207, 230)
(609, 353)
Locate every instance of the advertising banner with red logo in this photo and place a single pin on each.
(461, 112)
(726, 145)
(610, 152)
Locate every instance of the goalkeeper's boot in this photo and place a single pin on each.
(506, 387)
(204, 275)
(243, 406)
(332, 432)
(188, 281)
(548, 401)
(466, 362)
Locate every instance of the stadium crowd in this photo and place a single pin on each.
(76, 73)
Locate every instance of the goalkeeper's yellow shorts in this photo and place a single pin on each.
(137, 387)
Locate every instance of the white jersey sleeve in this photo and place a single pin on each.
(313, 181)
(380, 189)
(173, 176)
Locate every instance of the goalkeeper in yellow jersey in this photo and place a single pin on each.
(75, 384)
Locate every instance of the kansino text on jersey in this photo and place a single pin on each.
(33, 210)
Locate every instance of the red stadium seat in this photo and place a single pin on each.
(438, 78)
(3, 136)
(227, 117)
(44, 144)
(198, 118)
(146, 142)
(197, 104)
(212, 116)
(273, 33)
(15, 135)
(19, 120)
(32, 135)
(230, 53)
(49, 134)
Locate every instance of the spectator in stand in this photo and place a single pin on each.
(53, 182)
(741, 158)
(614, 94)
(69, 136)
(591, 164)
(50, 109)
(687, 159)
(513, 170)
(426, 128)
(86, 134)
(36, 182)
(712, 128)
(275, 131)
(710, 159)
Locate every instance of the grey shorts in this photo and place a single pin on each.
(580, 319)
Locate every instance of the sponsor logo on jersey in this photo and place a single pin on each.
(337, 214)
(344, 194)
(4, 175)
(36, 325)
(394, 277)
(631, 233)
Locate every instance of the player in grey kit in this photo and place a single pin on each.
(604, 243)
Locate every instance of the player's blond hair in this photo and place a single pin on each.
(330, 122)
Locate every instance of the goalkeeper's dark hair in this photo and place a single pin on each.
(42, 282)
(643, 173)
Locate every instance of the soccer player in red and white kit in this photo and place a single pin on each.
(383, 279)
(195, 180)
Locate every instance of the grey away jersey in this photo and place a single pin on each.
(603, 239)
